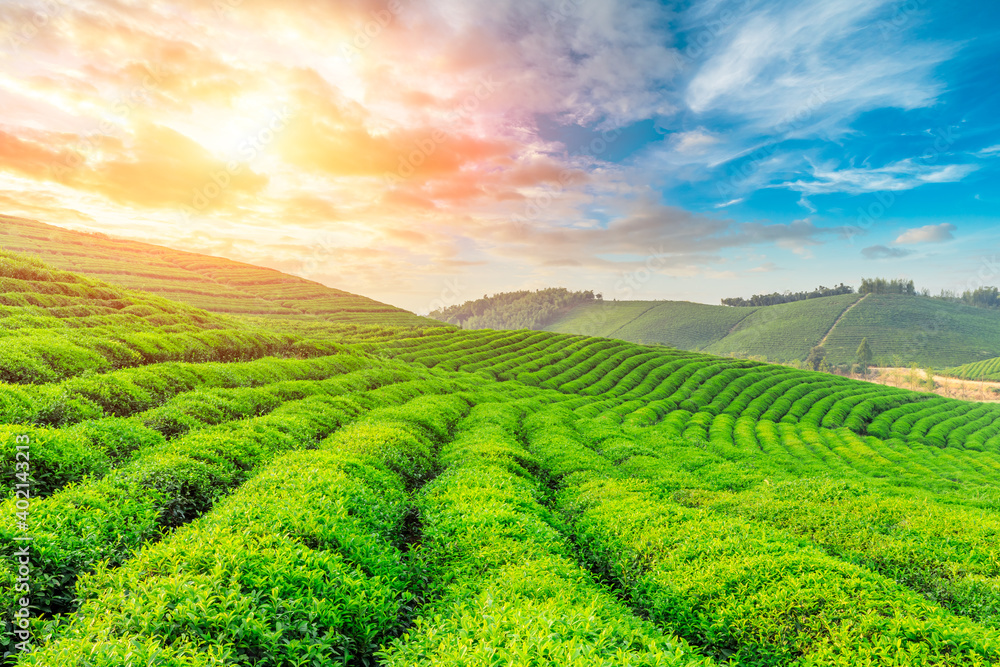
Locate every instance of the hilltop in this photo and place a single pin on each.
(212, 283)
(902, 329)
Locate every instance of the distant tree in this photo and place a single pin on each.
(883, 286)
(787, 297)
(816, 357)
(514, 310)
(863, 356)
(929, 383)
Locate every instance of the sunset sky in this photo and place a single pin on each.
(426, 153)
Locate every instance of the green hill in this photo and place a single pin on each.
(197, 491)
(212, 283)
(689, 326)
(988, 369)
(901, 329)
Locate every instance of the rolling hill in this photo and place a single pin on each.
(988, 369)
(201, 492)
(212, 283)
(900, 329)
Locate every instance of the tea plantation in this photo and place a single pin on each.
(205, 489)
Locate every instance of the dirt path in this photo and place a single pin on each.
(839, 318)
(738, 323)
(906, 378)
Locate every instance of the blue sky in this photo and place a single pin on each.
(878, 123)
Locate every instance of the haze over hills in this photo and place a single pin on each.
(212, 283)
(902, 329)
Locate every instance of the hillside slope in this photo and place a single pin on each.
(212, 283)
(576, 500)
(988, 370)
(900, 329)
(682, 324)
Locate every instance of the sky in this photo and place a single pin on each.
(425, 153)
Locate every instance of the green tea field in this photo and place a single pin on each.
(193, 488)
(900, 329)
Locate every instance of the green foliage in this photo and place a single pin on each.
(788, 297)
(887, 286)
(215, 284)
(514, 310)
(405, 495)
(816, 357)
(863, 356)
(510, 591)
(745, 591)
(302, 565)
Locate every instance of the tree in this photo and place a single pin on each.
(816, 356)
(864, 356)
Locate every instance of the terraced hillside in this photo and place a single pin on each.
(212, 283)
(403, 496)
(900, 329)
(988, 369)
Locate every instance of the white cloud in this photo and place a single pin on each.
(927, 234)
(695, 141)
(903, 175)
(785, 66)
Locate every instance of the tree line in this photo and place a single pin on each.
(515, 310)
(981, 297)
(883, 286)
(787, 297)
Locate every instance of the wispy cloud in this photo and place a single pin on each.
(762, 67)
(902, 175)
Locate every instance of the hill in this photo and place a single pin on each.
(901, 329)
(200, 492)
(988, 369)
(513, 310)
(212, 283)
